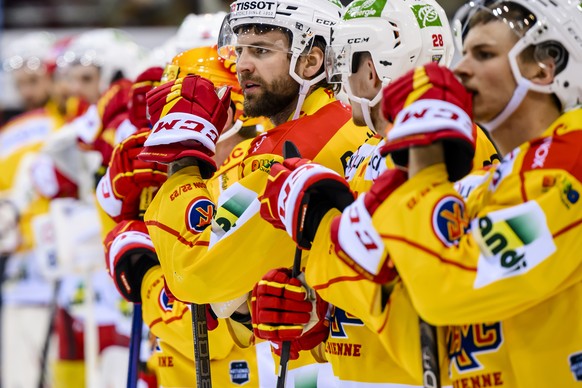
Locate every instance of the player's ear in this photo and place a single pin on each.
(545, 72)
(312, 62)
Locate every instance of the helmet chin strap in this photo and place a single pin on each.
(304, 85)
(366, 104)
(523, 86)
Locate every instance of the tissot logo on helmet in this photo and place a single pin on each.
(253, 8)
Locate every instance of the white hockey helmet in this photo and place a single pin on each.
(29, 51)
(112, 50)
(303, 19)
(398, 34)
(198, 30)
(553, 27)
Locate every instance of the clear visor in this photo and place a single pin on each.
(232, 45)
(17, 62)
(338, 62)
(515, 16)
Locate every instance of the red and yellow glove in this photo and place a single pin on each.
(427, 105)
(298, 194)
(187, 117)
(283, 310)
(137, 104)
(356, 241)
(119, 191)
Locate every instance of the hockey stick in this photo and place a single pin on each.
(137, 318)
(201, 346)
(134, 346)
(431, 377)
(3, 260)
(50, 329)
(290, 151)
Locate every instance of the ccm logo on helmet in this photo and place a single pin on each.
(252, 5)
(358, 40)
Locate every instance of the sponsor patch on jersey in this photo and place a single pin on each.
(239, 372)
(466, 342)
(166, 303)
(449, 220)
(199, 214)
(512, 241)
(426, 15)
(576, 365)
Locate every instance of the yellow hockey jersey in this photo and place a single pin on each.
(353, 347)
(171, 321)
(501, 267)
(20, 140)
(244, 246)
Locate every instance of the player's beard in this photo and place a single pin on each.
(275, 97)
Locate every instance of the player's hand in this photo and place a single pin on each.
(129, 254)
(187, 117)
(356, 241)
(118, 192)
(428, 105)
(283, 310)
(298, 194)
(137, 105)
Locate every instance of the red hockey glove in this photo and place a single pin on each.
(356, 241)
(427, 105)
(50, 182)
(282, 310)
(129, 254)
(187, 116)
(298, 194)
(137, 105)
(119, 191)
(100, 116)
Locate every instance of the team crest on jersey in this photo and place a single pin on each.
(576, 365)
(449, 220)
(239, 372)
(166, 303)
(199, 214)
(465, 343)
(339, 318)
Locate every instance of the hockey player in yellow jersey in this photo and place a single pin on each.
(496, 267)
(353, 348)
(282, 77)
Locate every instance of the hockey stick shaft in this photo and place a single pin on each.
(137, 319)
(430, 359)
(286, 348)
(290, 151)
(201, 345)
(134, 346)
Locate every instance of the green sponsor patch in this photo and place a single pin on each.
(426, 16)
(364, 9)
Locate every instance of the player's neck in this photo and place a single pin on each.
(530, 120)
(285, 114)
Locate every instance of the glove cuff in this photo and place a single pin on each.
(106, 198)
(169, 153)
(424, 121)
(178, 127)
